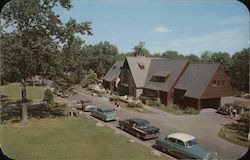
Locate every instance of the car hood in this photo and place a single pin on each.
(110, 113)
(151, 129)
(201, 152)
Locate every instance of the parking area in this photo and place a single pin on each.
(204, 127)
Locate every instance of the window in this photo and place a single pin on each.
(141, 65)
(218, 82)
(172, 140)
(180, 143)
(158, 79)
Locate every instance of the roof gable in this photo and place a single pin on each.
(196, 78)
(114, 71)
(171, 69)
(139, 75)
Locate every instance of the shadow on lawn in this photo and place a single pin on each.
(239, 128)
(12, 111)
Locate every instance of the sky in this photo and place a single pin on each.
(185, 26)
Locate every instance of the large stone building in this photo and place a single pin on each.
(172, 81)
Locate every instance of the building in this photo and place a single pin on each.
(171, 81)
(111, 79)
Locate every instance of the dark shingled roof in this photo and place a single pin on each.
(196, 78)
(114, 71)
(139, 75)
(170, 68)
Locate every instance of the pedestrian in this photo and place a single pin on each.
(117, 104)
(234, 112)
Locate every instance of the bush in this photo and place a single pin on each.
(190, 110)
(144, 99)
(48, 96)
(154, 103)
(134, 105)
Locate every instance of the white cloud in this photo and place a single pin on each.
(161, 29)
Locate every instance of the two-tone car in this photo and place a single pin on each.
(139, 128)
(184, 146)
(104, 113)
(83, 105)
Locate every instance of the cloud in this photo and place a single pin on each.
(161, 29)
(223, 40)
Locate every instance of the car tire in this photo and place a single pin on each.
(122, 127)
(165, 150)
(138, 135)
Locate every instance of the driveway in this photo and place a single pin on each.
(204, 127)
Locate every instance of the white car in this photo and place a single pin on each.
(88, 107)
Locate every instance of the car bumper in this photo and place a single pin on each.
(150, 136)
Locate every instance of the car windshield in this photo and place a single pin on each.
(143, 125)
(191, 143)
(108, 110)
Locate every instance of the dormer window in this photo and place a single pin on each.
(141, 65)
(160, 76)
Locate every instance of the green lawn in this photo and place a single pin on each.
(13, 91)
(235, 133)
(69, 138)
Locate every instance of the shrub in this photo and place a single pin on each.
(134, 105)
(190, 110)
(154, 103)
(48, 96)
(144, 99)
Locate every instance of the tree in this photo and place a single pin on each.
(206, 56)
(139, 50)
(100, 57)
(48, 96)
(90, 78)
(172, 54)
(193, 58)
(35, 33)
(224, 58)
(239, 70)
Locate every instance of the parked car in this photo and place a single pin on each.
(184, 146)
(83, 105)
(229, 107)
(140, 128)
(104, 113)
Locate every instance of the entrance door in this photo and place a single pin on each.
(164, 97)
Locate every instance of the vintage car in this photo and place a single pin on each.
(228, 108)
(83, 105)
(140, 128)
(104, 113)
(184, 146)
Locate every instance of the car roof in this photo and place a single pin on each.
(181, 136)
(138, 120)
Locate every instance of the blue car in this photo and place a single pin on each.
(184, 146)
(104, 113)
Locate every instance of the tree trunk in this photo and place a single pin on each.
(24, 102)
(24, 112)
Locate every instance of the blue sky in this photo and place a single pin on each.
(186, 26)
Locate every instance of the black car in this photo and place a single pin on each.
(140, 128)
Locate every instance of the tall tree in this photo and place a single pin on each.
(171, 54)
(193, 58)
(139, 50)
(224, 58)
(100, 57)
(206, 56)
(35, 34)
(239, 70)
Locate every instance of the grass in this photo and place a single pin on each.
(135, 109)
(13, 91)
(235, 133)
(178, 111)
(69, 138)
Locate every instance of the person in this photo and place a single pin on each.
(117, 104)
(234, 112)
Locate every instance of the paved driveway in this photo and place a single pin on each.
(204, 127)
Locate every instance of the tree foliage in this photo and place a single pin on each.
(139, 50)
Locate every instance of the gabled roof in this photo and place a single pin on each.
(169, 68)
(114, 71)
(196, 78)
(139, 75)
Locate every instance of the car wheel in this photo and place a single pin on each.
(122, 127)
(137, 135)
(164, 149)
